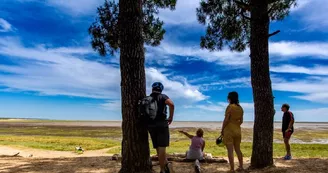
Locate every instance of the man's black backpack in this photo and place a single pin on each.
(147, 108)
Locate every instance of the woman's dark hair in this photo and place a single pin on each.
(200, 132)
(233, 97)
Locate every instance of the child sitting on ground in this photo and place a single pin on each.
(196, 149)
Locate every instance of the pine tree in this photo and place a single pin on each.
(239, 24)
(126, 26)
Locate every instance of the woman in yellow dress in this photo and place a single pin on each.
(231, 130)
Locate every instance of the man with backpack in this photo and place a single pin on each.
(153, 109)
(287, 128)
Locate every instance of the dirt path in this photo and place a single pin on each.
(37, 153)
(99, 162)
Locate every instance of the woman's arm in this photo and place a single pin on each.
(226, 119)
(187, 134)
(242, 117)
(203, 147)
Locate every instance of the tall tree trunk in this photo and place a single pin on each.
(261, 83)
(135, 146)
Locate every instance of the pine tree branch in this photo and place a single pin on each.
(272, 8)
(245, 17)
(243, 5)
(269, 11)
(272, 1)
(274, 33)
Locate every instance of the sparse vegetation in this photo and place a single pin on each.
(66, 138)
(58, 143)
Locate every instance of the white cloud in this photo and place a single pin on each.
(243, 82)
(316, 70)
(56, 73)
(300, 5)
(114, 105)
(179, 92)
(155, 57)
(217, 110)
(221, 107)
(312, 89)
(5, 26)
(313, 19)
(315, 97)
(210, 112)
(195, 52)
(77, 7)
(63, 71)
(76, 50)
(185, 13)
(214, 108)
(287, 49)
(281, 51)
(307, 85)
(247, 106)
(311, 115)
(172, 88)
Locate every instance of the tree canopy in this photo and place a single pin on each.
(105, 30)
(228, 21)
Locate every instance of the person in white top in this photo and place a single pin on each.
(196, 149)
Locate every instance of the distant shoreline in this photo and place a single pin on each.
(176, 124)
(60, 120)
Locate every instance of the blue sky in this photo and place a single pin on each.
(49, 70)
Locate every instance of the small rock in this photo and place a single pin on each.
(79, 148)
(208, 156)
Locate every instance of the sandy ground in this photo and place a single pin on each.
(42, 161)
(38, 153)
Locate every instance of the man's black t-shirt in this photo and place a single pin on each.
(160, 119)
(288, 116)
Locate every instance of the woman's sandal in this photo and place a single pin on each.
(240, 169)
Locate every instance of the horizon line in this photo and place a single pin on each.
(46, 119)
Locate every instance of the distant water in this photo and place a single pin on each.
(176, 124)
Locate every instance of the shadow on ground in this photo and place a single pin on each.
(103, 164)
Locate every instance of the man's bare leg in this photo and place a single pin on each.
(287, 145)
(161, 153)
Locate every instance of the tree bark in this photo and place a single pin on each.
(262, 154)
(135, 146)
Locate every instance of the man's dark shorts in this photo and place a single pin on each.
(285, 135)
(160, 136)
